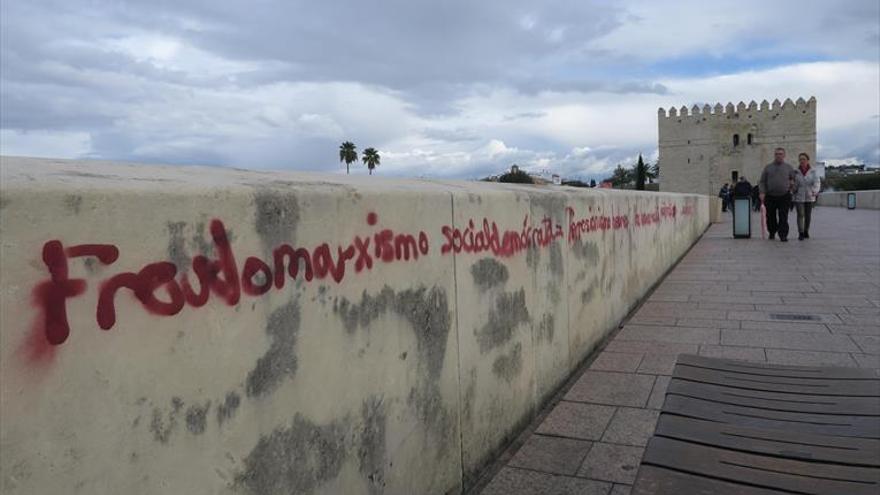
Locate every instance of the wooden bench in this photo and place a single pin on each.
(734, 427)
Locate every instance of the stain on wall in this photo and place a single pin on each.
(176, 250)
(200, 243)
(302, 456)
(295, 458)
(469, 395)
(371, 448)
(279, 361)
(428, 314)
(277, 215)
(197, 417)
(226, 410)
(546, 328)
(556, 264)
(587, 295)
(509, 312)
(73, 202)
(509, 365)
(489, 273)
(161, 424)
(587, 251)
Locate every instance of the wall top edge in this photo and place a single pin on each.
(718, 109)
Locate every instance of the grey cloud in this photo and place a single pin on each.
(451, 135)
(60, 72)
(525, 116)
(534, 86)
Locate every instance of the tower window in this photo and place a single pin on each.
(735, 140)
(749, 138)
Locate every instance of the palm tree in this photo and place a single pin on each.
(348, 154)
(654, 171)
(371, 159)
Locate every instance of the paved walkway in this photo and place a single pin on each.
(815, 302)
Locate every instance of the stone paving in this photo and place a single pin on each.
(812, 302)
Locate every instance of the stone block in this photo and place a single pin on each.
(576, 420)
(618, 389)
(611, 462)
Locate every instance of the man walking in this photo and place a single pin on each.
(724, 194)
(775, 190)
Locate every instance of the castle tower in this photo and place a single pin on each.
(702, 150)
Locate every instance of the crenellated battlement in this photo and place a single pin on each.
(733, 111)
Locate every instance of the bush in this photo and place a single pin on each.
(518, 177)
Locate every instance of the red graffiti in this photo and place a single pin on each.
(51, 295)
(507, 243)
(162, 292)
(668, 211)
(593, 223)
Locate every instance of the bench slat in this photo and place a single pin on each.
(653, 480)
(847, 426)
(805, 446)
(762, 471)
(811, 386)
(781, 370)
(818, 404)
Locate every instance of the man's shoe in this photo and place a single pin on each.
(800, 237)
(772, 236)
(783, 239)
(806, 235)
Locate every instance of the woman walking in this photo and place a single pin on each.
(806, 188)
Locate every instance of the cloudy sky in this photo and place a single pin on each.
(452, 88)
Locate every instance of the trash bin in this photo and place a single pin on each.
(742, 217)
(851, 201)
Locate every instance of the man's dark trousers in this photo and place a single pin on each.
(777, 214)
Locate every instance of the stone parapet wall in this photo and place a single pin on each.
(864, 199)
(210, 330)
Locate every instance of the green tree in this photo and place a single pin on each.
(516, 176)
(654, 171)
(641, 173)
(622, 178)
(348, 154)
(371, 159)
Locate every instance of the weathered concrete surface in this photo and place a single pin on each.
(727, 298)
(715, 213)
(154, 337)
(864, 199)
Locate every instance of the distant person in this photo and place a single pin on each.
(724, 194)
(742, 189)
(806, 187)
(756, 198)
(777, 181)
